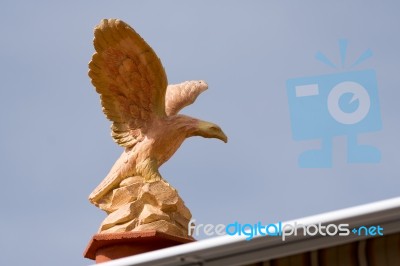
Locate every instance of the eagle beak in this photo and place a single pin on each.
(223, 137)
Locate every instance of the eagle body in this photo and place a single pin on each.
(143, 108)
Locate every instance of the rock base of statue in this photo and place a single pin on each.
(141, 217)
(136, 205)
(110, 246)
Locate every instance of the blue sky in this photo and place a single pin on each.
(55, 144)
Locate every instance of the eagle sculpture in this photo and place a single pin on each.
(142, 107)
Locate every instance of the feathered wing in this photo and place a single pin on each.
(180, 95)
(130, 79)
(131, 82)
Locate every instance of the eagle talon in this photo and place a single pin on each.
(153, 178)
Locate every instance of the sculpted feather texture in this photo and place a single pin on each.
(143, 108)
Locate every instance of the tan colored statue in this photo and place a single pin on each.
(143, 108)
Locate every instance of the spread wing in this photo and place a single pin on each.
(130, 79)
(180, 95)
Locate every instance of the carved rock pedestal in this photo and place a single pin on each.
(137, 206)
(141, 217)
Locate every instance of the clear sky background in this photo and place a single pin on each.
(55, 144)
